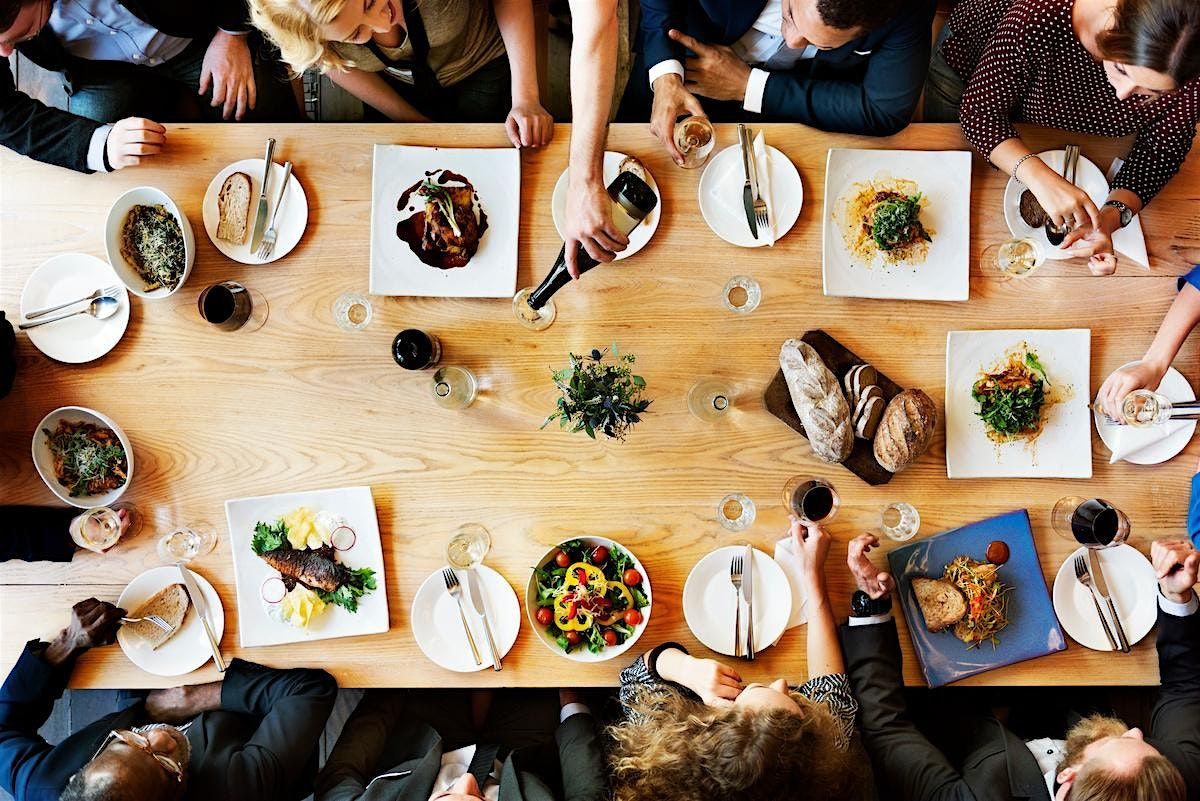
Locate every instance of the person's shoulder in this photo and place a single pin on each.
(1047, 16)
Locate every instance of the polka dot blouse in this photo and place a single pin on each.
(1021, 62)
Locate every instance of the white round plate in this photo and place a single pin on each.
(710, 601)
(1132, 586)
(721, 196)
(114, 228)
(582, 654)
(438, 629)
(1088, 176)
(1176, 388)
(641, 235)
(289, 225)
(188, 650)
(43, 459)
(81, 338)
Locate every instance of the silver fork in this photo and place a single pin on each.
(107, 292)
(760, 213)
(267, 247)
(760, 206)
(735, 577)
(155, 619)
(452, 587)
(1085, 578)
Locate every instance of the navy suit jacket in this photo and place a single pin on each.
(870, 85)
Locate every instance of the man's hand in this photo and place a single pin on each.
(529, 125)
(229, 70)
(589, 223)
(1176, 564)
(810, 544)
(132, 139)
(568, 696)
(671, 101)
(1139, 375)
(180, 704)
(715, 71)
(92, 623)
(870, 579)
(715, 683)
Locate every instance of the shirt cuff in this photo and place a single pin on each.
(95, 155)
(669, 67)
(1177, 609)
(873, 620)
(756, 85)
(573, 709)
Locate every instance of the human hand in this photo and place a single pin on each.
(567, 695)
(228, 69)
(179, 704)
(589, 223)
(810, 544)
(716, 684)
(133, 138)
(1176, 564)
(1063, 201)
(1139, 375)
(671, 100)
(92, 623)
(124, 520)
(715, 71)
(1093, 244)
(529, 125)
(870, 579)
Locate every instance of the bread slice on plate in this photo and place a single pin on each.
(942, 604)
(171, 604)
(233, 205)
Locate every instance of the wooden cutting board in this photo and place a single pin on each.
(839, 360)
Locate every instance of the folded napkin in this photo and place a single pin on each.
(726, 189)
(762, 161)
(786, 557)
(1127, 441)
(1130, 240)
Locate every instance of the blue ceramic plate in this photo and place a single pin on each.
(1033, 628)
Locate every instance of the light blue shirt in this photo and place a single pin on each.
(104, 30)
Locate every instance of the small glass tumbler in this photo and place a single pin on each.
(352, 311)
(709, 400)
(454, 387)
(736, 512)
(900, 521)
(742, 294)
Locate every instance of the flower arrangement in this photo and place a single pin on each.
(599, 394)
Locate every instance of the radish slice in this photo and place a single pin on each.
(342, 538)
(273, 590)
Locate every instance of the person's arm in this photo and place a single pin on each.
(355, 758)
(810, 543)
(579, 751)
(372, 89)
(292, 707)
(528, 124)
(1175, 723)
(36, 533)
(50, 135)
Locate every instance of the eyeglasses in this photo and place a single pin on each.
(135, 740)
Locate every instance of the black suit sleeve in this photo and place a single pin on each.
(233, 15)
(904, 759)
(658, 17)
(581, 758)
(36, 533)
(26, 700)
(354, 760)
(1175, 726)
(46, 134)
(292, 707)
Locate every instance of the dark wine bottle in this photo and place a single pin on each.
(632, 199)
(413, 349)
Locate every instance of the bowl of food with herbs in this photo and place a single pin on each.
(149, 242)
(83, 456)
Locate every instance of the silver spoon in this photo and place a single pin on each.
(100, 308)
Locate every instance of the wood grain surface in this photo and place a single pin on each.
(300, 404)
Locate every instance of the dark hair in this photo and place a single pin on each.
(102, 788)
(1161, 35)
(9, 10)
(865, 14)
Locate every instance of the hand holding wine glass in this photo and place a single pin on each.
(1139, 375)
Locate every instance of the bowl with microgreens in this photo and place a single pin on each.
(600, 394)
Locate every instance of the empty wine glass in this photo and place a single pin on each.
(469, 546)
(710, 399)
(185, 543)
(96, 529)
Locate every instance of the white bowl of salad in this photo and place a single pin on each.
(589, 599)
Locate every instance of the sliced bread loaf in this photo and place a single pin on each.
(171, 604)
(233, 204)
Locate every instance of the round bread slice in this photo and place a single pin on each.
(868, 414)
(171, 604)
(233, 206)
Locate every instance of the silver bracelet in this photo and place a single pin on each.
(1020, 161)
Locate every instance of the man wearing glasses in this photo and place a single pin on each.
(251, 736)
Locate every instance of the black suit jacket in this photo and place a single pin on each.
(260, 745)
(58, 137)
(870, 85)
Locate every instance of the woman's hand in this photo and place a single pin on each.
(1093, 244)
(870, 579)
(810, 543)
(1139, 375)
(529, 125)
(1063, 201)
(715, 683)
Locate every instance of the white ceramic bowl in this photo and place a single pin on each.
(43, 460)
(582, 654)
(146, 196)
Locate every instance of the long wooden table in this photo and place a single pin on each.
(302, 405)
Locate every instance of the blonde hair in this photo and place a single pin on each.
(295, 28)
(673, 748)
(1156, 778)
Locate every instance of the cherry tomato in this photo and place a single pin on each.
(610, 637)
(631, 577)
(544, 616)
(572, 610)
(574, 637)
(632, 617)
(600, 555)
(562, 559)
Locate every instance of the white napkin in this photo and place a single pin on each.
(1129, 240)
(1128, 441)
(762, 163)
(786, 557)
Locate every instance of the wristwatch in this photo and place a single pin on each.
(1126, 212)
(863, 605)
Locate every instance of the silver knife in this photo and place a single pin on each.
(197, 599)
(753, 163)
(477, 601)
(260, 221)
(748, 595)
(1102, 589)
(747, 189)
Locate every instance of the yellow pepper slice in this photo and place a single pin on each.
(581, 622)
(596, 582)
(623, 591)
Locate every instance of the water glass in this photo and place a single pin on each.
(96, 529)
(810, 498)
(352, 311)
(709, 400)
(695, 139)
(469, 546)
(736, 512)
(454, 387)
(900, 521)
(185, 543)
(742, 294)
(1015, 258)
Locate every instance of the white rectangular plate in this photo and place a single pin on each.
(255, 626)
(496, 176)
(945, 178)
(1064, 449)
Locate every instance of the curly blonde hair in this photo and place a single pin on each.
(672, 748)
(295, 28)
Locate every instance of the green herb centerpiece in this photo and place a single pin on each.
(599, 395)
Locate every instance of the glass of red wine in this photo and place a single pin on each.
(229, 306)
(811, 499)
(1092, 522)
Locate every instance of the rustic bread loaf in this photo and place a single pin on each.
(906, 430)
(233, 206)
(819, 402)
